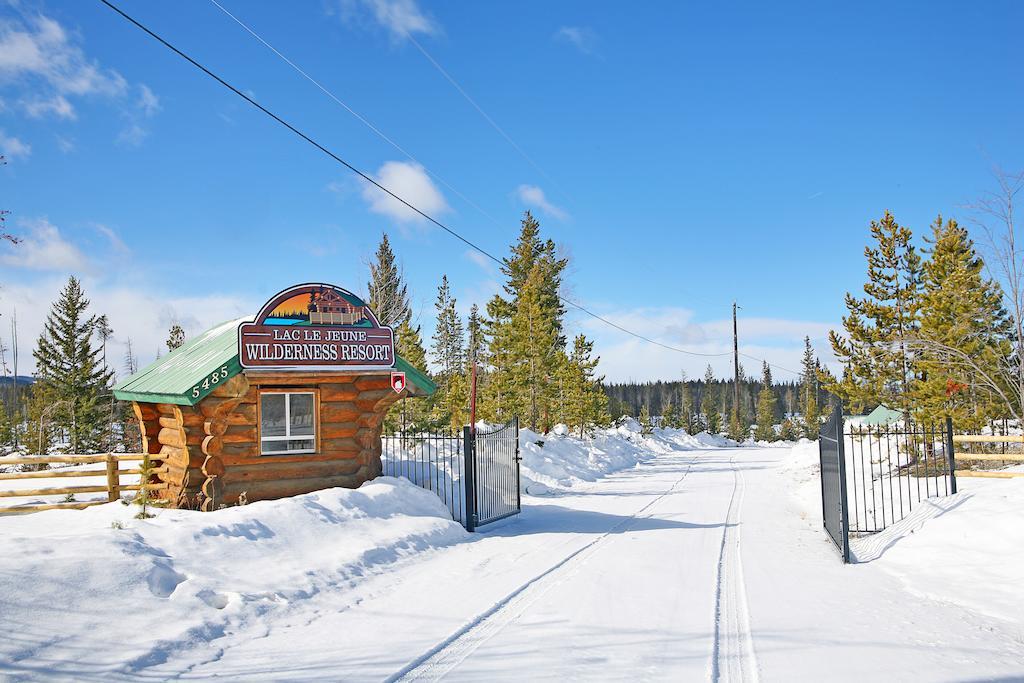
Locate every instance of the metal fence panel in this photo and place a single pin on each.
(496, 473)
(432, 461)
(833, 482)
(475, 475)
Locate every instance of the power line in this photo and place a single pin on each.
(483, 113)
(387, 191)
(350, 110)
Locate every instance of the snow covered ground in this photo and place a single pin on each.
(663, 558)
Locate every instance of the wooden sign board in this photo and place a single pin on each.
(316, 327)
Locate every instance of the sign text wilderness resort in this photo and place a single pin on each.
(301, 326)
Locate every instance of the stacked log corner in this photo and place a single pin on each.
(212, 449)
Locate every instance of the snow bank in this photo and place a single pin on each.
(559, 460)
(134, 592)
(966, 549)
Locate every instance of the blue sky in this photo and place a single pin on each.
(684, 155)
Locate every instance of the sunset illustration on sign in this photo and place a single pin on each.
(320, 306)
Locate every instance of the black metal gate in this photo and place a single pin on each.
(835, 510)
(492, 468)
(873, 476)
(475, 475)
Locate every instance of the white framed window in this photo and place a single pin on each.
(287, 422)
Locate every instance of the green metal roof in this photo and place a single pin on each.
(882, 416)
(190, 373)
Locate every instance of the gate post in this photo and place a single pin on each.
(515, 427)
(844, 511)
(469, 479)
(950, 455)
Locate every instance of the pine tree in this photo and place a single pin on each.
(131, 363)
(526, 346)
(71, 377)
(645, 420)
(765, 407)
(670, 415)
(709, 404)
(809, 392)
(105, 332)
(388, 295)
(879, 365)
(736, 430)
(961, 310)
(175, 337)
(536, 351)
(586, 402)
(788, 431)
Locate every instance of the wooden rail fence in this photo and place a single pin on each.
(111, 472)
(1016, 456)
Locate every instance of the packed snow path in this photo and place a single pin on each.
(692, 567)
(695, 565)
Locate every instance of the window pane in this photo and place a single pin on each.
(301, 445)
(301, 415)
(275, 446)
(272, 418)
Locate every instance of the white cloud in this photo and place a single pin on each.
(37, 52)
(57, 105)
(136, 313)
(146, 106)
(410, 182)
(115, 240)
(624, 358)
(44, 248)
(399, 17)
(65, 145)
(11, 147)
(583, 38)
(533, 196)
(148, 102)
(132, 135)
(483, 261)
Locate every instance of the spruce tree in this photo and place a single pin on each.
(175, 337)
(765, 407)
(388, 295)
(879, 365)
(449, 357)
(449, 338)
(961, 311)
(709, 404)
(809, 392)
(69, 370)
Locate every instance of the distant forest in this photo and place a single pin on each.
(628, 398)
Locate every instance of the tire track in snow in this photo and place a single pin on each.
(732, 657)
(435, 663)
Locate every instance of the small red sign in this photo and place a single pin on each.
(398, 382)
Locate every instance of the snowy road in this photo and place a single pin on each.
(695, 566)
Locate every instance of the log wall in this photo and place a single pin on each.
(212, 450)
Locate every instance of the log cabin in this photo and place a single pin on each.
(273, 405)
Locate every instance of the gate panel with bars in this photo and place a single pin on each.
(476, 475)
(874, 476)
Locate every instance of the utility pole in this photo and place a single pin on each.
(736, 364)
